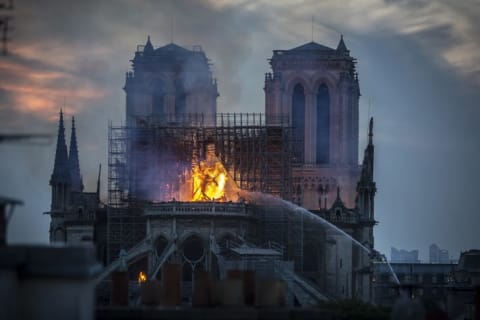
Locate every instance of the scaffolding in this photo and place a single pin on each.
(258, 156)
(149, 163)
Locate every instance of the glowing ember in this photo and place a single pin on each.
(142, 277)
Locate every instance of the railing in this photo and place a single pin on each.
(342, 219)
(189, 208)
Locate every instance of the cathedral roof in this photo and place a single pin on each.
(172, 48)
(167, 53)
(311, 46)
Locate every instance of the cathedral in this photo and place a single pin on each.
(216, 192)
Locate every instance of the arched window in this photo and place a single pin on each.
(298, 121)
(323, 125)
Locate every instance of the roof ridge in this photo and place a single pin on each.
(312, 45)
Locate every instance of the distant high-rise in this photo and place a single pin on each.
(438, 255)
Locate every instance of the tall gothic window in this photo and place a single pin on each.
(323, 125)
(298, 121)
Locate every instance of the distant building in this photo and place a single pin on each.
(454, 287)
(438, 255)
(403, 256)
(429, 280)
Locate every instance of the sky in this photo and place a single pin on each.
(419, 72)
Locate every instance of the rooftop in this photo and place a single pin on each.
(312, 46)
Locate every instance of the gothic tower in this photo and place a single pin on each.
(72, 211)
(169, 86)
(60, 181)
(317, 88)
(168, 83)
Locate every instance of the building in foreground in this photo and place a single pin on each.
(279, 192)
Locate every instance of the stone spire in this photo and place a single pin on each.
(148, 49)
(370, 132)
(74, 164)
(367, 170)
(338, 203)
(61, 173)
(342, 48)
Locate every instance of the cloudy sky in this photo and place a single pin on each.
(419, 67)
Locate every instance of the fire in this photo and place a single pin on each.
(142, 277)
(209, 180)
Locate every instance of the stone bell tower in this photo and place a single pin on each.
(170, 84)
(317, 88)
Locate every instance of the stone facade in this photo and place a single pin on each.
(324, 115)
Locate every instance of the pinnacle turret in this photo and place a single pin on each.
(367, 171)
(370, 132)
(74, 164)
(148, 47)
(338, 200)
(61, 173)
(342, 48)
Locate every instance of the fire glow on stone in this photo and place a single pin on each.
(142, 277)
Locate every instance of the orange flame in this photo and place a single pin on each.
(142, 277)
(209, 179)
